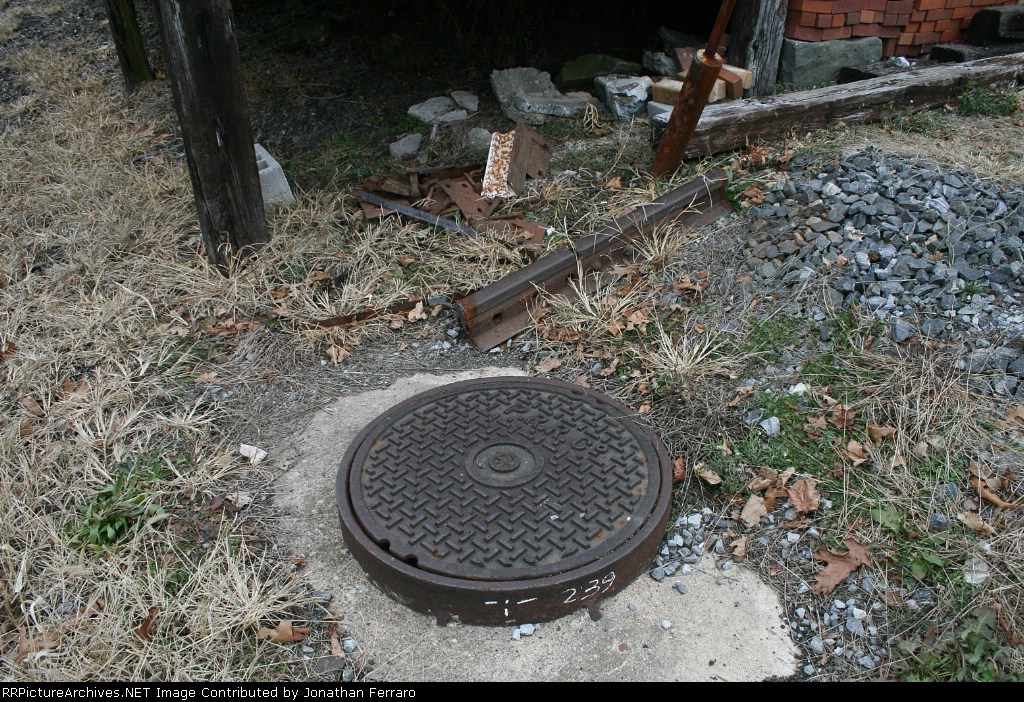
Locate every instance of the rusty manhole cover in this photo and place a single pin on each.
(504, 500)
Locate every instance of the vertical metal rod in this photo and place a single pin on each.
(719, 29)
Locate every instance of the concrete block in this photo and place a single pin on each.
(432, 110)
(406, 147)
(807, 64)
(625, 96)
(659, 111)
(466, 100)
(273, 182)
(527, 95)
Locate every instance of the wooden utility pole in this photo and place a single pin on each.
(205, 71)
(131, 54)
(755, 41)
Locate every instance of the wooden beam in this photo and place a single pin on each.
(730, 125)
(205, 71)
(755, 41)
(131, 53)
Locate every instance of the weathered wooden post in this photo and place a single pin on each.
(205, 71)
(131, 54)
(756, 40)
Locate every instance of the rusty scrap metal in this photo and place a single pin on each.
(700, 81)
(499, 159)
(502, 310)
(515, 156)
(466, 195)
(504, 500)
(416, 214)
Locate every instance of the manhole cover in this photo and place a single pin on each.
(504, 500)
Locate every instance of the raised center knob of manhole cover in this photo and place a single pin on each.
(504, 500)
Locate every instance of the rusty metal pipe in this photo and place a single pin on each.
(693, 97)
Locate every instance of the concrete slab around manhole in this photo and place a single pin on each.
(728, 626)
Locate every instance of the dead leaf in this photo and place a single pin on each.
(254, 454)
(644, 408)
(753, 511)
(30, 405)
(679, 471)
(583, 381)
(842, 416)
(1005, 622)
(921, 450)
(877, 433)
(26, 428)
(741, 392)
(840, 565)
(726, 451)
(804, 496)
(989, 495)
(975, 522)
(1016, 415)
(284, 633)
(898, 461)
(614, 183)
(739, 548)
(336, 648)
(36, 643)
(336, 354)
(764, 480)
(143, 629)
(772, 496)
(548, 364)
(239, 499)
(206, 378)
(709, 476)
(417, 313)
(784, 477)
(855, 452)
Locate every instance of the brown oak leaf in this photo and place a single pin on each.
(284, 633)
(804, 496)
(840, 565)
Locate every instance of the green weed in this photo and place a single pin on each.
(978, 100)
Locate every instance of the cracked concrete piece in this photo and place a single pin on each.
(273, 182)
(466, 100)
(430, 111)
(625, 96)
(406, 147)
(720, 631)
(527, 95)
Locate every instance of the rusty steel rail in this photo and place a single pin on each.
(503, 309)
(693, 98)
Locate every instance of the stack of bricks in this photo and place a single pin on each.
(906, 27)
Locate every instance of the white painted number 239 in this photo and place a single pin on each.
(593, 587)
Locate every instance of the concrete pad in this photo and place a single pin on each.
(727, 626)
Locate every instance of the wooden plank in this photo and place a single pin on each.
(131, 54)
(206, 76)
(756, 40)
(731, 125)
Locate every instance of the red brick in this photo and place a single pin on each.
(838, 20)
(939, 14)
(929, 4)
(926, 38)
(822, 20)
(964, 12)
(951, 35)
(908, 50)
(801, 33)
(836, 33)
(812, 6)
(906, 38)
(848, 5)
(853, 18)
(863, 30)
(926, 27)
(888, 47)
(890, 32)
(876, 5)
(958, 3)
(868, 16)
(890, 18)
(946, 25)
(918, 16)
(900, 6)
(912, 27)
(902, 19)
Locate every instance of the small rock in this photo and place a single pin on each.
(432, 110)
(658, 573)
(808, 669)
(349, 645)
(727, 565)
(817, 645)
(771, 426)
(924, 595)
(479, 140)
(901, 330)
(516, 634)
(694, 520)
(937, 522)
(666, 624)
(329, 664)
(681, 589)
(406, 147)
(527, 629)
(466, 100)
